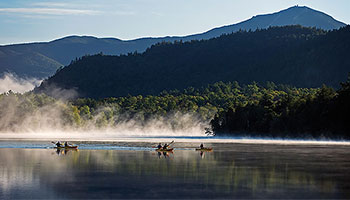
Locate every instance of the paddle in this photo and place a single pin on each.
(54, 144)
(170, 143)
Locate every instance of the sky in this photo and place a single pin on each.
(46, 20)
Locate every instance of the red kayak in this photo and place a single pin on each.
(165, 150)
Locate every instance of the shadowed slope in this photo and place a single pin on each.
(294, 55)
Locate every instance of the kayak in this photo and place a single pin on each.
(70, 147)
(204, 149)
(164, 150)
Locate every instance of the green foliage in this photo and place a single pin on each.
(294, 113)
(255, 110)
(205, 102)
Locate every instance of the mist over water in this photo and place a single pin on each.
(9, 81)
(21, 117)
(36, 116)
(49, 123)
(49, 120)
(52, 120)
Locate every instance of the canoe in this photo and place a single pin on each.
(164, 150)
(204, 149)
(70, 147)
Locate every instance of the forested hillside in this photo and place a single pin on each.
(42, 59)
(293, 55)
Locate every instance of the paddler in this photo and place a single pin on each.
(165, 146)
(159, 146)
(58, 144)
(66, 144)
(201, 146)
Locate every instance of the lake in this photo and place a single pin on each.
(32, 169)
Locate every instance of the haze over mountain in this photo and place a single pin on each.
(293, 55)
(43, 59)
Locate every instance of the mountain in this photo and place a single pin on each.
(293, 55)
(43, 59)
(297, 15)
(26, 63)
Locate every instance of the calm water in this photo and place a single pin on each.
(134, 170)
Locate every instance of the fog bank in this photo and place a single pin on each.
(11, 82)
(39, 116)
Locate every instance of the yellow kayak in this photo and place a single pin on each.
(204, 149)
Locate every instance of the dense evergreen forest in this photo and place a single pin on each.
(251, 110)
(323, 114)
(202, 103)
(292, 55)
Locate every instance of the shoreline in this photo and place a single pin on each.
(183, 139)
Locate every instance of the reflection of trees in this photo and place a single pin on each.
(225, 173)
(221, 171)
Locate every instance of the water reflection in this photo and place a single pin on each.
(165, 154)
(231, 171)
(60, 151)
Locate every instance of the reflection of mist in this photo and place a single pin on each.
(19, 171)
(11, 82)
(17, 177)
(244, 171)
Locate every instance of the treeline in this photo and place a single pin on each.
(315, 115)
(202, 103)
(267, 110)
(292, 55)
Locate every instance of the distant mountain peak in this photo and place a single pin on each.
(295, 15)
(305, 16)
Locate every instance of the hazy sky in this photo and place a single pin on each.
(36, 20)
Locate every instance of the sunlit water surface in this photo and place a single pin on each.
(33, 169)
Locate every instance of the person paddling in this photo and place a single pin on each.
(201, 146)
(66, 144)
(165, 146)
(159, 146)
(58, 144)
